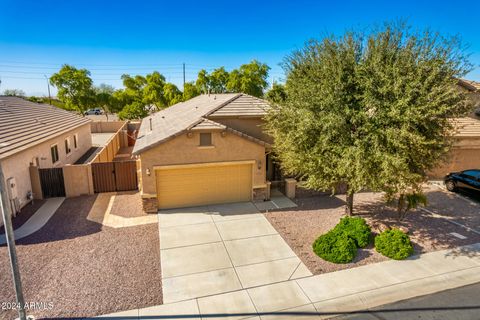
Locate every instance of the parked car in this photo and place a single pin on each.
(468, 180)
(96, 111)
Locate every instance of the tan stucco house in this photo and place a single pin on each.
(209, 149)
(41, 135)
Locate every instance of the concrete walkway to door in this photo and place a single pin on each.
(37, 221)
(215, 249)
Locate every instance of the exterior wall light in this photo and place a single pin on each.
(147, 172)
(259, 164)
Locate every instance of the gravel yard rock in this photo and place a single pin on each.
(83, 268)
(318, 213)
(128, 204)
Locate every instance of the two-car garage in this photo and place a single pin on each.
(206, 183)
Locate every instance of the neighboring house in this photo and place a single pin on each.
(465, 152)
(472, 89)
(210, 149)
(41, 135)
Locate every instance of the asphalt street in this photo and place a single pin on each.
(455, 304)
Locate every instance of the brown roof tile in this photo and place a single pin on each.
(24, 124)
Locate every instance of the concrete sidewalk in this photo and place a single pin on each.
(323, 296)
(37, 221)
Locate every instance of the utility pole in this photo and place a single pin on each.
(184, 77)
(48, 85)
(5, 208)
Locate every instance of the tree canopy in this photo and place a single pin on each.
(249, 78)
(369, 110)
(14, 92)
(145, 93)
(74, 88)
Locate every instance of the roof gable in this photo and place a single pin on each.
(174, 120)
(25, 124)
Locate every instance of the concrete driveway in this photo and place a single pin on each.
(221, 248)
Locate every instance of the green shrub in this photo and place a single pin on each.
(335, 247)
(394, 244)
(357, 229)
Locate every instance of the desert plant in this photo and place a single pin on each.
(406, 201)
(336, 247)
(394, 244)
(356, 228)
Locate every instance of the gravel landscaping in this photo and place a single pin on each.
(24, 214)
(317, 213)
(128, 204)
(83, 268)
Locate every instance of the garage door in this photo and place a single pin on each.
(185, 186)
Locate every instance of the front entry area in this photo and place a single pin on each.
(201, 184)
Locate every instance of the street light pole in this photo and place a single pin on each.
(48, 85)
(5, 209)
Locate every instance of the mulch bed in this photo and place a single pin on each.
(128, 204)
(317, 214)
(83, 268)
(24, 214)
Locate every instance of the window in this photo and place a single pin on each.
(205, 139)
(67, 146)
(54, 153)
(471, 174)
(75, 141)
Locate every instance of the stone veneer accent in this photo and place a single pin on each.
(150, 204)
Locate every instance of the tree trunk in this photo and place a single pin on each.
(349, 204)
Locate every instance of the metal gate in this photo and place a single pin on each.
(114, 176)
(52, 183)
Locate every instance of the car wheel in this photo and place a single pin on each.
(450, 185)
(97, 113)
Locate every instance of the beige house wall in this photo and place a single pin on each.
(252, 126)
(106, 126)
(464, 155)
(78, 180)
(117, 141)
(17, 165)
(186, 150)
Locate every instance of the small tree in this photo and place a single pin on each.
(104, 98)
(369, 111)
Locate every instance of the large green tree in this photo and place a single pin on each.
(276, 93)
(369, 110)
(142, 94)
(75, 88)
(250, 78)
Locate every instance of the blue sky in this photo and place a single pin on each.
(114, 37)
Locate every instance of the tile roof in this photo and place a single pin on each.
(182, 116)
(467, 127)
(243, 106)
(24, 124)
(206, 124)
(470, 84)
